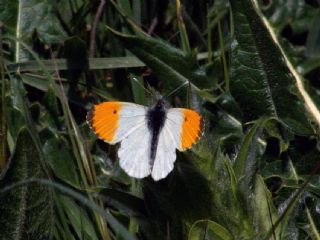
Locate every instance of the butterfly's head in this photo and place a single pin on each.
(158, 96)
(160, 104)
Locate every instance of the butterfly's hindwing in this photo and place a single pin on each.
(134, 153)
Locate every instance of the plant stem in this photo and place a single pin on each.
(94, 29)
(209, 39)
(223, 56)
(183, 32)
(3, 135)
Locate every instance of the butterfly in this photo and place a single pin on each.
(149, 136)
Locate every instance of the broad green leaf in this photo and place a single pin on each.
(19, 114)
(247, 160)
(218, 170)
(171, 65)
(260, 79)
(263, 209)
(137, 89)
(208, 230)
(112, 221)
(50, 102)
(61, 160)
(29, 14)
(26, 211)
(8, 14)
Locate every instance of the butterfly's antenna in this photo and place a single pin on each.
(174, 90)
(139, 83)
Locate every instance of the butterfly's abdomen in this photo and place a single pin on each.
(156, 117)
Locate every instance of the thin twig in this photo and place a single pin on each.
(153, 25)
(94, 29)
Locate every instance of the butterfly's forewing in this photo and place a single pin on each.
(182, 129)
(126, 123)
(185, 125)
(113, 121)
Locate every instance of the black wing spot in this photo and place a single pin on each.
(185, 119)
(115, 111)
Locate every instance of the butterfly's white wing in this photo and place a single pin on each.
(181, 130)
(113, 121)
(126, 123)
(166, 154)
(134, 153)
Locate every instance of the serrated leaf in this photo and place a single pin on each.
(26, 211)
(260, 79)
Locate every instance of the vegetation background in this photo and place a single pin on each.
(252, 70)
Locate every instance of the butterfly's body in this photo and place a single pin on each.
(149, 136)
(156, 117)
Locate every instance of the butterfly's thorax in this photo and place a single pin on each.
(156, 117)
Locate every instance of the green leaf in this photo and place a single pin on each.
(29, 14)
(247, 160)
(123, 201)
(137, 89)
(208, 230)
(61, 160)
(295, 13)
(312, 47)
(260, 79)
(51, 103)
(314, 231)
(170, 64)
(26, 211)
(264, 211)
(78, 219)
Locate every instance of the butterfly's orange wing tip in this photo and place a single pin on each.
(103, 119)
(192, 128)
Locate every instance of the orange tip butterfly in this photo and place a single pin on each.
(149, 136)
